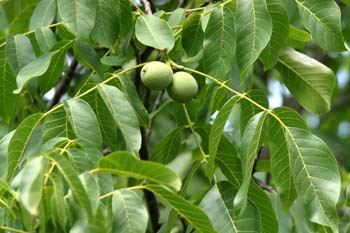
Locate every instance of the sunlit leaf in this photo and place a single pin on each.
(43, 14)
(324, 25)
(129, 211)
(32, 186)
(85, 126)
(154, 32)
(34, 69)
(19, 52)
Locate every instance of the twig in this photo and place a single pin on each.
(63, 84)
(147, 6)
(263, 185)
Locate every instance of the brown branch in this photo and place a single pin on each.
(263, 185)
(63, 84)
(155, 107)
(147, 5)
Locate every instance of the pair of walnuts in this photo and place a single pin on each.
(181, 86)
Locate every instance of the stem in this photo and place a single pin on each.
(147, 6)
(12, 229)
(190, 125)
(155, 107)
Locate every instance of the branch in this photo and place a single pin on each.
(263, 185)
(63, 84)
(147, 6)
(155, 107)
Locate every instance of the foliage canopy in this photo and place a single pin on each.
(85, 146)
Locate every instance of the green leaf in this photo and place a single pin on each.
(230, 166)
(87, 56)
(190, 212)
(124, 12)
(177, 17)
(218, 203)
(167, 148)
(309, 81)
(70, 175)
(46, 39)
(43, 15)
(4, 144)
(251, 142)
(106, 30)
(91, 186)
(154, 32)
(219, 43)
(316, 175)
(7, 84)
(112, 60)
(19, 142)
(78, 16)
(280, 23)
(80, 160)
(32, 185)
(216, 132)
(131, 94)
(280, 153)
(192, 35)
(123, 115)
(55, 69)
(56, 124)
(300, 218)
(19, 52)
(248, 110)
(85, 126)
(20, 22)
(34, 69)
(298, 34)
(58, 203)
(129, 212)
(105, 119)
(123, 163)
(254, 29)
(324, 25)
